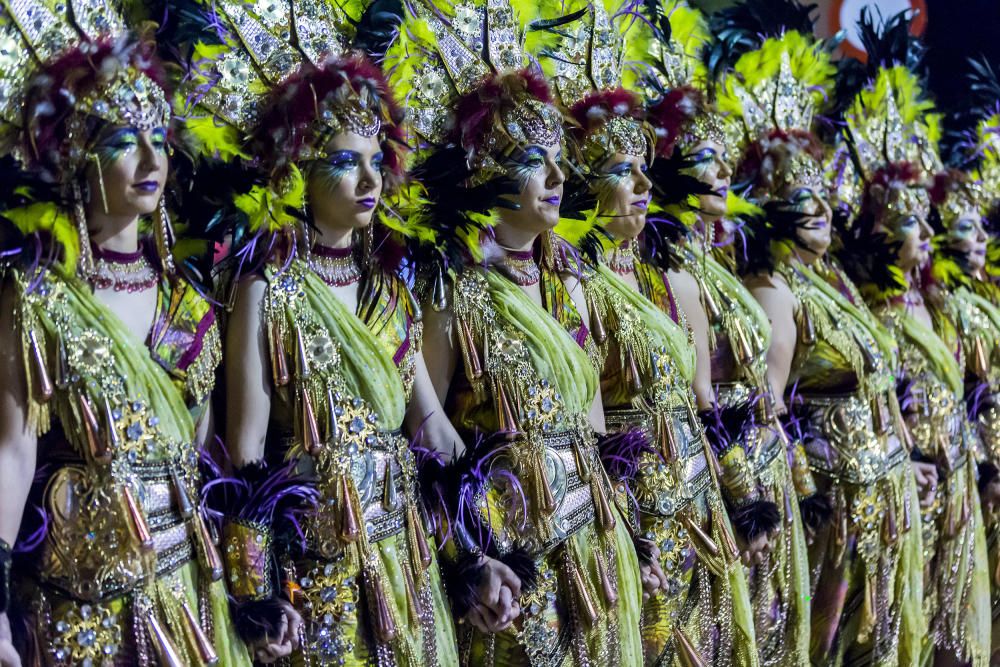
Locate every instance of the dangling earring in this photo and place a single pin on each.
(547, 255)
(367, 244)
(164, 235)
(86, 261)
(100, 180)
(306, 250)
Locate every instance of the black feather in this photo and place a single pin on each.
(745, 26)
(524, 566)
(816, 510)
(258, 620)
(378, 27)
(867, 257)
(987, 473)
(757, 518)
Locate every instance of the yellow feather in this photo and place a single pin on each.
(574, 230)
(212, 137)
(737, 205)
(268, 209)
(47, 217)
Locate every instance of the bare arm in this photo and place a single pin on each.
(18, 445)
(205, 428)
(435, 369)
(248, 376)
(778, 302)
(575, 289)
(688, 296)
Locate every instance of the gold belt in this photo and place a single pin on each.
(849, 447)
(666, 491)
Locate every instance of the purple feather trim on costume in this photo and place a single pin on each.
(459, 484)
(621, 454)
(977, 399)
(724, 426)
(258, 493)
(33, 532)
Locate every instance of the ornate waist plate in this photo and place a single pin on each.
(667, 488)
(383, 512)
(91, 552)
(848, 447)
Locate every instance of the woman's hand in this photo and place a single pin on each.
(753, 552)
(271, 649)
(498, 594)
(927, 481)
(8, 656)
(651, 574)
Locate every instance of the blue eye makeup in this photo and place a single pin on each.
(521, 164)
(704, 155)
(122, 140)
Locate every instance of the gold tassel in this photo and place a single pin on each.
(632, 369)
(385, 624)
(868, 611)
(546, 499)
(582, 465)
(473, 364)
(92, 431)
(111, 432)
(981, 363)
(605, 516)
(741, 345)
(687, 654)
(711, 307)
(165, 648)
(906, 515)
(310, 429)
(807, 331)
(140, 529)
(331, 406)
(440, 295)
(62, 364)
(667, 438)
(505, 414)
(597, 329)
(303, 359)
(350, 526)
(183, 500)
(44, 383)
(208, 555)
(422, 548)
(588, 610)
(890, 530)
(390, 496)
(871, 364)
(878, 415)
(205, 649)
(279, 360)
(789, 517)
(607, 586)
(727, 536)
(163, 234)
(413, 606)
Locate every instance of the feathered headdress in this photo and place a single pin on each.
(473, 99)
(93, 75)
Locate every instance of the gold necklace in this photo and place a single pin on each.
(337, 267)
(622, 259)
(520, 266)
(123, 271)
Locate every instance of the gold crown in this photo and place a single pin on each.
(267, 41)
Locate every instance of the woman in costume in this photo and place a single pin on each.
(529, 493)
(886, 246)
(825, 363)
(646, 362)
(322, 346)
(109, 357)
(687, 251)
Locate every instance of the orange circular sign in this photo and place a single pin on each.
(844, 15)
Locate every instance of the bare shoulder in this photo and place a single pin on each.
(682, 281)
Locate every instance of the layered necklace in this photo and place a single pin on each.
(520, 267)
(622, 259)
(337, 267)
(123, 271)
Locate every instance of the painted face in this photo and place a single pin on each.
(536, 170)
(711, 167)
(968, 239)
(345, 188)
(623, 195)
(914, 235)
(814, 232)
(133, 169)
